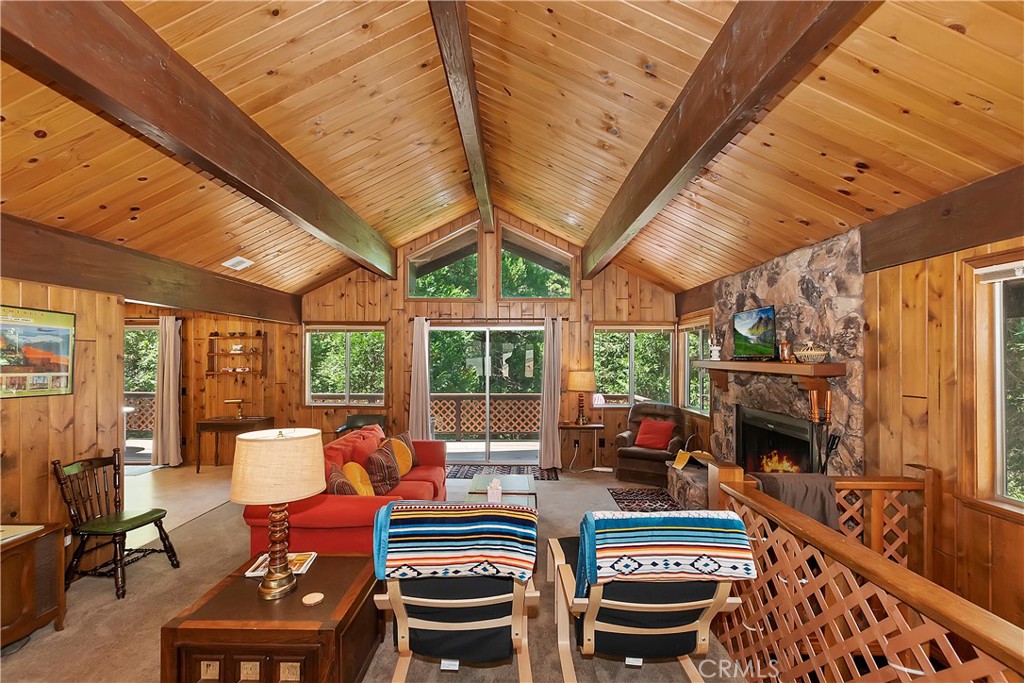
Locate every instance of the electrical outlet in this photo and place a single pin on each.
(600, 442)
(575, 443)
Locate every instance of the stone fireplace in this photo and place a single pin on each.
(818, 294)
(773, 442)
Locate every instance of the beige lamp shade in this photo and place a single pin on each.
(581, 380)
(275, 466)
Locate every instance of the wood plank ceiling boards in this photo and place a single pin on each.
(452, 28)
(108, 55)
(760, 49)
(916, 100)
(919, 99)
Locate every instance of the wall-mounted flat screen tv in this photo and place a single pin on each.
(753, 334)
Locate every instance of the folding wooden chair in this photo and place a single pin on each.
(459, 580)
(91, 489)
(646, 585)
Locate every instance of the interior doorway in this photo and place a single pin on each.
(485, 391)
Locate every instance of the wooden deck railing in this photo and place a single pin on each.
(894, 516)
(465, 415)
(824, 608)
(144, 416)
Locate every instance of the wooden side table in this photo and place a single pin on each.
(592, 427)
(230, 634)
(32, 579)
(219, 425)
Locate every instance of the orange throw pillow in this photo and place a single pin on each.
(654, 434)
(403, 455)
(359, 478)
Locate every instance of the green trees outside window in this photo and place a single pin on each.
(141, 349)
(696, 381)
(633, 366)
(1011, 322)
(454, 281)
(345, 367)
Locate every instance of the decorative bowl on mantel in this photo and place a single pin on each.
(810, 354)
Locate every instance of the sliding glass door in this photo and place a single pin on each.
(485, 386)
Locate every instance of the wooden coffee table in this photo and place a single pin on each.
(511, 485)
(231, 635)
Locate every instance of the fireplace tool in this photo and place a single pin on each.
(830, 448)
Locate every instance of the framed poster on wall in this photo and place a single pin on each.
(37, 350)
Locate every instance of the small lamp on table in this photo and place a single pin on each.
(274, 467)
(581, 381)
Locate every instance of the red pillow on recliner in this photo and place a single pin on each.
(654, 434)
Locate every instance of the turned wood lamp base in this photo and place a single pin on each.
(279, 580)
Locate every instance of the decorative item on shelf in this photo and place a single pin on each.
(786, 352)
(715, 347)
(810, 354)
(581, 381)
(215, 333)
(275, 467)
(237, 348)
(259, 333)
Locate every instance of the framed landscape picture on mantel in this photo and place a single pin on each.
(37, 350)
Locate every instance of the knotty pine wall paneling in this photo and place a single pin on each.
(615, 296)
(87, 423)
(270, 393)
(917, 377)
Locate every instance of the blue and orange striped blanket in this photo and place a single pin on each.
(663, 546)
(414, 539)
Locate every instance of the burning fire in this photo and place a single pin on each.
(777, 462)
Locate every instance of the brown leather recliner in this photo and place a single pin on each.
(647, 465)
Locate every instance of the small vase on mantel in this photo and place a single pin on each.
(715, 347)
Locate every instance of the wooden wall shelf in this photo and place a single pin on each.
(812, 376)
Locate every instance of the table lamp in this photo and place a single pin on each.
(581, 381)
(274, 467)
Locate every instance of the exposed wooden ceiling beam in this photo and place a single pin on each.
(452, 28)
(39, 253)
(760, 49)
(695, 299)
(106, 54)
(987, 211)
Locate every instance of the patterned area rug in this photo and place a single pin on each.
(470, 471)
(643, 500)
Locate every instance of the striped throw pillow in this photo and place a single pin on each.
(338, 484)
(383, 470)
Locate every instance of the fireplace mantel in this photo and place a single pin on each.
(811, 376)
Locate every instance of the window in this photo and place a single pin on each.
(531, 269)
(446, 269)
(696, 381)
(344, 366)
(633, 366)
(1009, 385)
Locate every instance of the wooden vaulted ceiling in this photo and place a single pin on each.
(916, 100)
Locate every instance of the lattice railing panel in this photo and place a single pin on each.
(467, 414)
(854, 519)
(443, 413)
(143, 418)
(811, 618)
(515, 416)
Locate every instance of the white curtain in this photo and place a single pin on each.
(420, 426)
(167, 425)
(551, 395)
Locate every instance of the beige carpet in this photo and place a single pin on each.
(111, 641)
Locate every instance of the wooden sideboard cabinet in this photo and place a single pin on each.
(32, 581)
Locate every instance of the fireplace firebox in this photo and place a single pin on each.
(773, 442)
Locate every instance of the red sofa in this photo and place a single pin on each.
(330, 523)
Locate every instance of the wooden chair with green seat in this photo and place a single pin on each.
(91, 489)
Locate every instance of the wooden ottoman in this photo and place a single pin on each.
(689, 486)
(231, 635)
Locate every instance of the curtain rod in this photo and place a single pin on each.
(149, 320)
